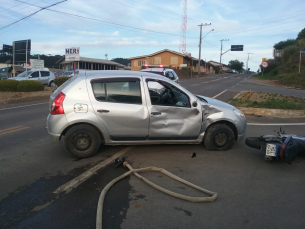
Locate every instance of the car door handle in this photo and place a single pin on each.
(156, 113)
(103, 111)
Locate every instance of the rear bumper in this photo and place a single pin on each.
(56, 125)
(54, 137)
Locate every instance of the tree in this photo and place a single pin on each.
(235, 64)
(283, 44)
(122, 61)
(301, 34)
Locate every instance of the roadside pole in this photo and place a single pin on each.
(13, 59)
(300, 61)
(220, 66)
(26, 60)
(200, 41)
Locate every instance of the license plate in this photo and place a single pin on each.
(271, 150)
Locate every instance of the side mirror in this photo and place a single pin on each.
(194, 104)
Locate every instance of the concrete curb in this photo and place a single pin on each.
(275, 113)
(20, 100)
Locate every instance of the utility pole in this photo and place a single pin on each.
(200, 41)
(14, 59)
(220, 67)
(247, 61)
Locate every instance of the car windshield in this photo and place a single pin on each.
(23, 74)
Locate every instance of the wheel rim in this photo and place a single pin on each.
(82, 141)
(220, 139)
(53, 84)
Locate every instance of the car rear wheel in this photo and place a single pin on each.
(52, 84)
(219, 137)
(82, 141)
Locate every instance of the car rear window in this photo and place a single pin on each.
(44, 73)
(159, 73)
(118, 92)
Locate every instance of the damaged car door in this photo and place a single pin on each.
(119, 106)
(174, 115)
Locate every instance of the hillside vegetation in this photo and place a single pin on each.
(286, 68)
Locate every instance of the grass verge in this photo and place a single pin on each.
(268, 100)
(292, 79)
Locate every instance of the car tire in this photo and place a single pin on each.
(219, 137)
(255, 143)
(52, 84)
(82, 141)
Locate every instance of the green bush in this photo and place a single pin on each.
(60, 80)
(8, 85)
(184, 68)
(29, 85)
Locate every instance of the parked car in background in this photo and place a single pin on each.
(69, 74)
(45, 77)
(230, 71)
(168, 73)
(58, 74)
(128, 108)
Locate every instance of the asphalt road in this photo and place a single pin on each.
(252, 193)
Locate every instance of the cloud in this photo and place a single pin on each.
(84, 32)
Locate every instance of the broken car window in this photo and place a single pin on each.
(166, 95)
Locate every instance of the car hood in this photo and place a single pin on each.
(215, 102)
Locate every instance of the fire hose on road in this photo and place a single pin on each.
(213, 195)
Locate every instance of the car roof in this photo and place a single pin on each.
(152, 70)
(118, 73)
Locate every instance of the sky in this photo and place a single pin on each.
(121, 28)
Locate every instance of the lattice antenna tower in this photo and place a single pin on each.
(182, 46)
(106, 56)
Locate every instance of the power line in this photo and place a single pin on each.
(144, 10)
(43, 8)
(107, 22)
(158, 8)
(263, 25)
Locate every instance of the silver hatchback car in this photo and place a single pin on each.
(43, 76)
(129, 108)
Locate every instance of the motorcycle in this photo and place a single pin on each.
(283, 146)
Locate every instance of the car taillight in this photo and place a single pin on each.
(161, 66)
(57, 107)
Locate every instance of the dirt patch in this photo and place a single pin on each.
(16, 97)
(268, 100)
(276, 83)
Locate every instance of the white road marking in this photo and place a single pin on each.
(219, 94)
(83, 177)
(9, 108)
(276, 124)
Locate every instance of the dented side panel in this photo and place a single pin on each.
(174, 122)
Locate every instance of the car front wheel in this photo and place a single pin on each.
(82, 141)
(219, 137)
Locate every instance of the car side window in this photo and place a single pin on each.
(175, 75)
(35, 74)
(165, 94)
(171, 76)
(44, 73)
(118, 92)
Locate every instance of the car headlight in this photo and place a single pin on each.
(239, 113)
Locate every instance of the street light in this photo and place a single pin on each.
(208, 33)
(200, 40)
